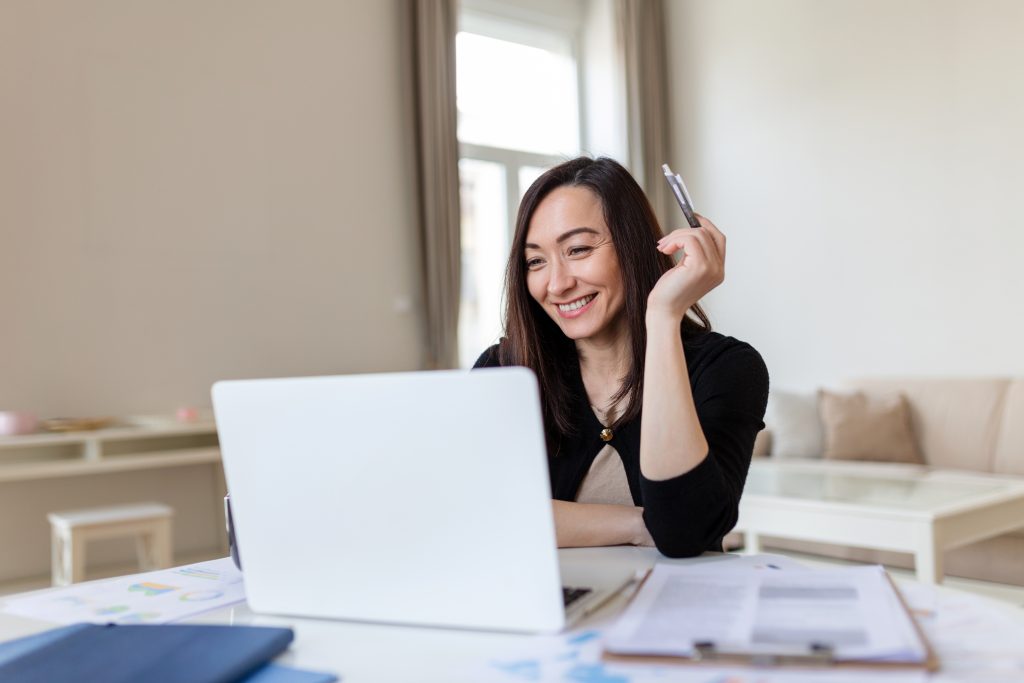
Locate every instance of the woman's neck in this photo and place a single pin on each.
(609, 357)
(604, 362)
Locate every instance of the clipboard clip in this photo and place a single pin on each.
(816, 654)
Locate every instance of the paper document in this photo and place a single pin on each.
(157, 597)
(854, 610)
(761, 561)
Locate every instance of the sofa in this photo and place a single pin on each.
(973, 424)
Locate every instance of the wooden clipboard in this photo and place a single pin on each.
(814, 658)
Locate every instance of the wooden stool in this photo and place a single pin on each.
(149, 523)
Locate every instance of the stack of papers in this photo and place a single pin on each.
(855, 611)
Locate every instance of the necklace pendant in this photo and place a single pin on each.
(606, 435)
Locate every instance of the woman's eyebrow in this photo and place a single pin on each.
(566, 235)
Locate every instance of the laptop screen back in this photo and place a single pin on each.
(418, 498)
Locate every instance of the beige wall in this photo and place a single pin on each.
(197, 190)
(866, 159)
(189, 191)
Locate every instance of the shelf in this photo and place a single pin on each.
(118, 433)
(26, 471)
(115, 449)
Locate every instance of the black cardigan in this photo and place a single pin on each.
(688, 514)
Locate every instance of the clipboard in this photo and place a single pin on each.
(814, 656)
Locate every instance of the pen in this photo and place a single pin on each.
(682, 196)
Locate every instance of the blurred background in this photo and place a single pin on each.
(200, 190)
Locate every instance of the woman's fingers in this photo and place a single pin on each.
(689, 242)
(710, 247)
(706, 226)
(715, 233)
(701, 257)
(701, 269)
(672, 242)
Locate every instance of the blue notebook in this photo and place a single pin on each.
(157, 654)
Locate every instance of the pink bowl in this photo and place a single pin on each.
(13, 422)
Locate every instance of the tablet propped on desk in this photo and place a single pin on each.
(852, 616)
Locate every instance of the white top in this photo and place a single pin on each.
(605, 481)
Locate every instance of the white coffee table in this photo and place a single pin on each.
(905, 508)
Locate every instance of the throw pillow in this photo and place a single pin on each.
(795, 425)
(874, 427)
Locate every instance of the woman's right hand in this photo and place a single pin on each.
(701, 269)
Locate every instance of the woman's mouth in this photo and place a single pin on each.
(576, 308)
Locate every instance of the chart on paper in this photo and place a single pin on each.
(157, 597)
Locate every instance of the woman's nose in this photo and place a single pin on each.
(561, 279)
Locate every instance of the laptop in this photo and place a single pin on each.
(406, 498)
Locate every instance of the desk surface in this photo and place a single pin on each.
(360, 652)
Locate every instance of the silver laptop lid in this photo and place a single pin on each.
(418, 498)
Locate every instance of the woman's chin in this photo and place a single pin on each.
(578, 330)
(571, 331)
(591, 326)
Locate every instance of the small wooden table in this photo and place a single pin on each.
(148, 523)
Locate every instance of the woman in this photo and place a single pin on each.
(612, 329)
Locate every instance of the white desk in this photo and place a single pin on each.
(372, 652)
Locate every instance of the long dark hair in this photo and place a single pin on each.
(534, 340)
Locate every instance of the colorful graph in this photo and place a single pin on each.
(155, 597)
(199, 596)
(113, 609)
(197, 573)
(149, 589)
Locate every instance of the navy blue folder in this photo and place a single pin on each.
(169, 653)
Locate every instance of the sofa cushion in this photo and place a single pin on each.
(795, 424)
(763, 444)
(1009, 452)
(860, 426)
(955, 420)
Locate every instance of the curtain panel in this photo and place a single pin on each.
(643, 48)
(434, 24)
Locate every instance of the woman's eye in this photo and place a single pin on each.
(533, 263)
(578, 251)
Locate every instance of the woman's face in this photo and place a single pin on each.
(572, 269)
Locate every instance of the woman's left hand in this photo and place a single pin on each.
(701, 269)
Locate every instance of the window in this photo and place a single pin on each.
(518, 100)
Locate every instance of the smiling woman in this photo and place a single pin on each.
(612, 328)
(575, 272)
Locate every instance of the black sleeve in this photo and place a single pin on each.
(689, 514)
(488, 359)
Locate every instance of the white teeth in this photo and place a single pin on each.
(576, 305)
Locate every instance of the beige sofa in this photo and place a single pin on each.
(974, 424)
